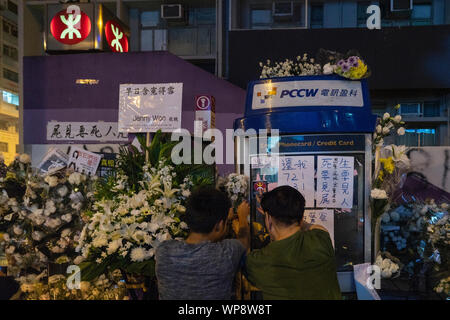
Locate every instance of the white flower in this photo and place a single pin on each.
(67, 217)
(65, 233)
(62, 191)
(24, 158)
(378, 194)
(328, 68)
(386, 130)
(76, 178)
(78, 260)
(386, 116)
(17, 230)
(138, 254)
(37, 235)
(183, 225)
(379, 128)
(52, 181)
(401, 131)
(397, 118)
(185, 193)
(100, 241)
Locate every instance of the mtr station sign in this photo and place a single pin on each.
(84, 27)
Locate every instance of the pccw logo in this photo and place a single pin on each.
(300, 93)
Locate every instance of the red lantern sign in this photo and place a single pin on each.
(115, 36)
(70, 26)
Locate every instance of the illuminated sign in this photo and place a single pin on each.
(70, 26)
(115, 36)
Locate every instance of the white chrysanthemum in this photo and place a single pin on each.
(75, 178)
(52, 181)
(378, 194)
(17, 230)
(401, 131)
(138, 254)
(37, 235)
(62, 191)
(386, 116)
(24, 158)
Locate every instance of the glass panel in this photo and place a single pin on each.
(418, 137)
(205, 16)
(146, 40)
(421, 11)
(204, 42)
(182, 42)
(150, 18)
(317, 16)
(10, 98)
(160, 40)
(261, 16)
(431, 109)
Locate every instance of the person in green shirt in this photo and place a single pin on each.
(299, 263)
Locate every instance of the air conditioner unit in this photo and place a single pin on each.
(401, 5)
(172, 11)
(282, 10)
(410, 109)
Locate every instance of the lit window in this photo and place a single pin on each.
(11, 98)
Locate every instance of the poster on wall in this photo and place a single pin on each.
(298, 172)
(150, 107)
(324, 217)
(83, 161)
(85, 131)
(334, 182)
(54, 160)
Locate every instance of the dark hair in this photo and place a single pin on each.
(285, 204)
(205, 207)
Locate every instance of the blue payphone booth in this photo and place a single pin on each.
(323, 148)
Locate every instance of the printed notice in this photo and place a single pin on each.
(334, 182)
(83, 161)
(150, 107)
(324, 217)
(298, 172)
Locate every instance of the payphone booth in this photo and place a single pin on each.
(323, 148)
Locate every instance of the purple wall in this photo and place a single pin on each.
(51, 92)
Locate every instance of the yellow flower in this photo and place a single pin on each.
(388, 164)
(380, 175)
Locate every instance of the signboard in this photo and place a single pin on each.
(70, 26)
(298, 172)
(324, 217)
(83, 161)
(276, 94)
(85, 131)
(205, 109)
(107, 165)
(115, 35)
(335, 182)
(150, 107)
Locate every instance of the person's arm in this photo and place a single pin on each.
(243, 235)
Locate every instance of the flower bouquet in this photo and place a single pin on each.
(40, 216)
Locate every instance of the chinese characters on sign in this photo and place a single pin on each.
(83, 161)
(150, 107)
(275, 94)
(85, 131)
(334, 182)
(324, 217)
(298, 172)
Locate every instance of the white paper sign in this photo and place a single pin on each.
(298, 172)
(261, 162)
(84, 131)
(324, 217)
(275, 94)
(83, 161)
(150, 107)
(334, 182)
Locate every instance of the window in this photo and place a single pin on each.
(10, 75)
(261, 18)
(431, 109)
(316, 16)
(150, 18)
(3, 147)
(4, 125)
(10, 98)
(362, 13)
(415, 137)
(10, 52)
(421, 14)
(12, 7)
(9, 28)
(421, 109)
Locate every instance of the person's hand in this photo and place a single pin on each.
(243, 211)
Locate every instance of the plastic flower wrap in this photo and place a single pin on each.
(352, 68)
(236, 186)
(124, 230)
(40, 216)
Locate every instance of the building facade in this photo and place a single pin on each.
(229, 38)
(9, 102)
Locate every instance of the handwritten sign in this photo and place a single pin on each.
(324, 217)
(84, 131)
(298, 172)
(261, 162)
(334, 182)
(83, 161)
(150, 107)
